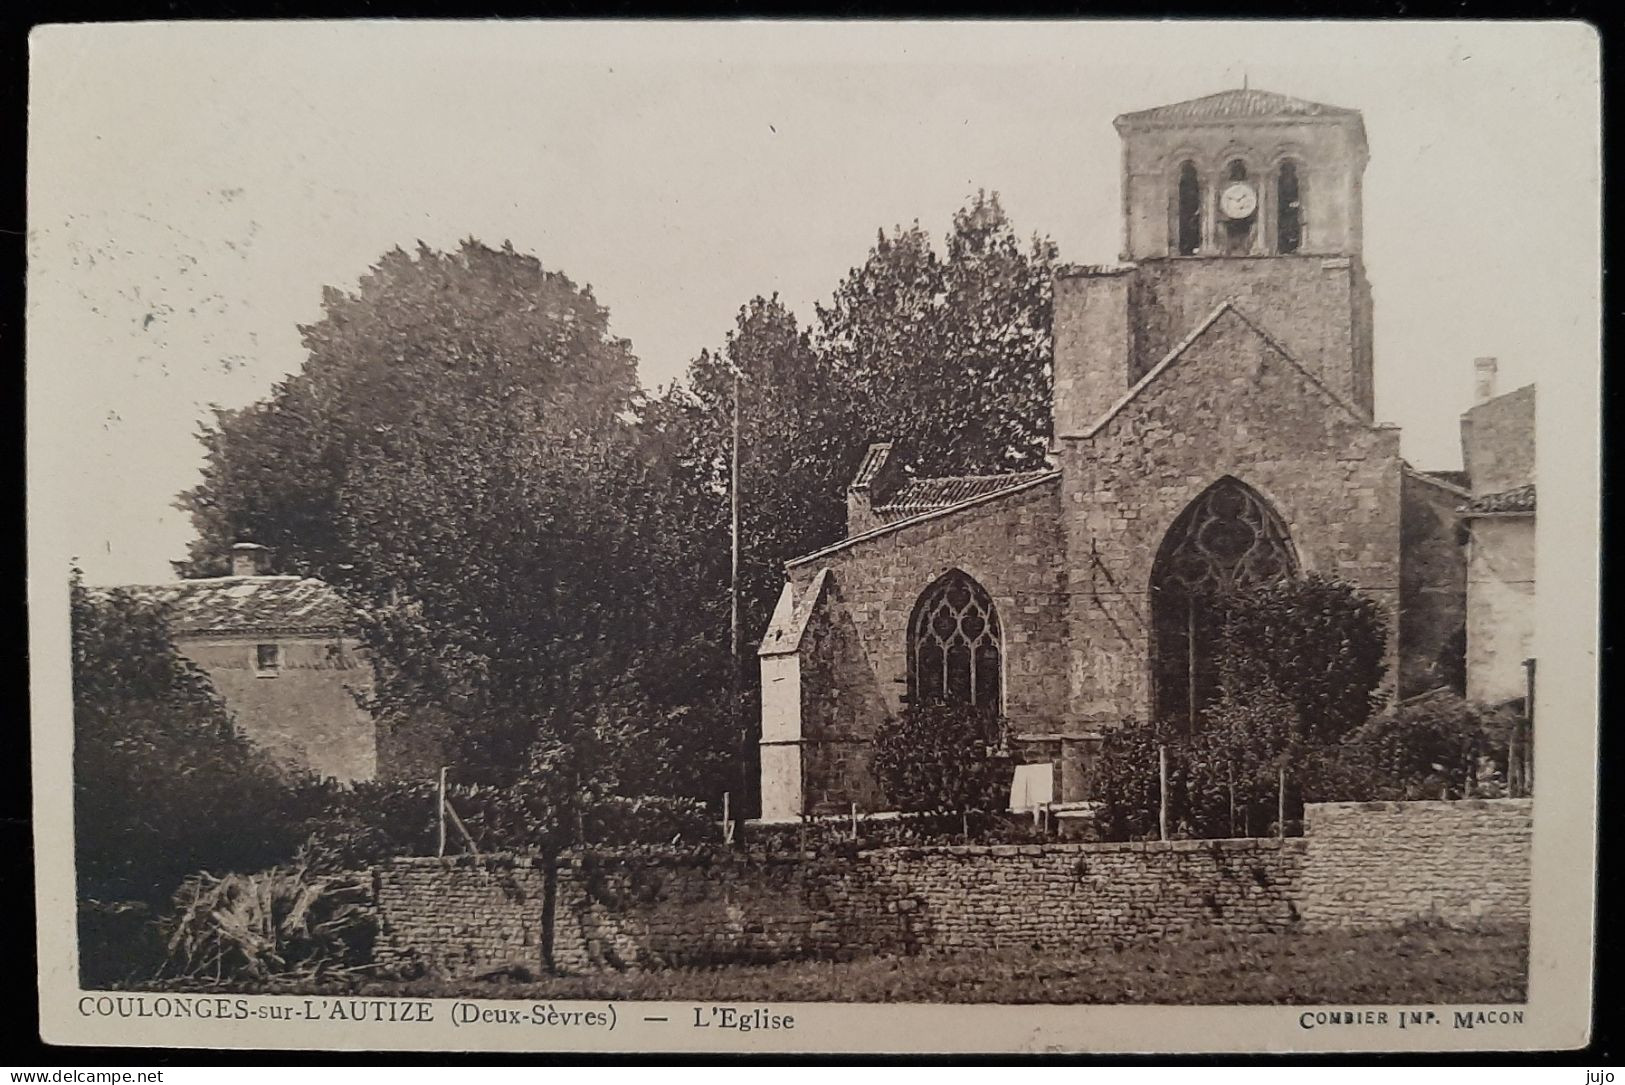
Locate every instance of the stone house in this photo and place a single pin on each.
(282, 653)
(1498, 452)
(1213, 427)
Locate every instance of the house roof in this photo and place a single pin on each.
(921, 495)
(1519, 499)
(1454, 482)
(250, 604)
(1230, 105)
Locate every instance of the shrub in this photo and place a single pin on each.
(1315, 639)
(942, 759)
(1429, 748)
(279, 923)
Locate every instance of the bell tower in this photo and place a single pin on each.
(1244, 196)
(1242, 173)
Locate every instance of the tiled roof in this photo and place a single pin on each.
(251, 604)
(1519, 499)
(928, 494)
(1234, 105)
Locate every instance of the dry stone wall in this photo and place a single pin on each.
(1360, 865)
(1376, 864)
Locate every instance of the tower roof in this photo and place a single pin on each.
(1233, 105)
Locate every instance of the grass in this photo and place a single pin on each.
(1417, 964)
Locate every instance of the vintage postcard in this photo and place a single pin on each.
(815, 537)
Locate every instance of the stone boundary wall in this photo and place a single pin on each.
(459, 916)
(1376, 864)
(1360, 865)
(642, 910)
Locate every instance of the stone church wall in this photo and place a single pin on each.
(1230, 406)
(854, 669)
(1360, 865)
(1310, 302)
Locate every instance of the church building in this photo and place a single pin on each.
(1213, 428)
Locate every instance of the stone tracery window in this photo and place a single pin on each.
(954, 654)
(1227, 538)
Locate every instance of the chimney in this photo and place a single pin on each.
(1093, 345)
(249, 559)
(876, 479)
(1483, 379)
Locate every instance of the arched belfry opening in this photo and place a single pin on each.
(955, 645)
(1239, 206)
(1227, 538)
(1288, 208)
(1188, 211)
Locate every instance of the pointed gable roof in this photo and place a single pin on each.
(1173, 357)
(788, 625)
(1229, 106)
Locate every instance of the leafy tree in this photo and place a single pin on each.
(942, 759)
(1316, 641)
(950, 354)
(461, 454)
(163, 783)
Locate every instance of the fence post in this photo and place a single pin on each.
(440, 814)
(1162, 789)
(727, 822)
(1280, 805)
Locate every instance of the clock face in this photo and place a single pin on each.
(1238, 201)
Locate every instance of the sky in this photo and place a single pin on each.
(193, 187)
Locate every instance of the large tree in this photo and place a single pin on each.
(460, 453)
(949, 353)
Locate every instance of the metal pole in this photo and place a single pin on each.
(733, 597)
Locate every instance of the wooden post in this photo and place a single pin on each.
(1162, 789)
(1280, 805)
(854, 821)
(727, 821)
(440, 814)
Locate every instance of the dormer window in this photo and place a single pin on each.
(1188, 224)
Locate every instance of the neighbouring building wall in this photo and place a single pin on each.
(1498, 442)
(1432, 588)
(1376, 864)
(1500, 606)
(304, 711)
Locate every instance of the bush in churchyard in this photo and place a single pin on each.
(943, 759)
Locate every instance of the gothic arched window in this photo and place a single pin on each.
(1227, 538)
(954, 645)
(1188, 214)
